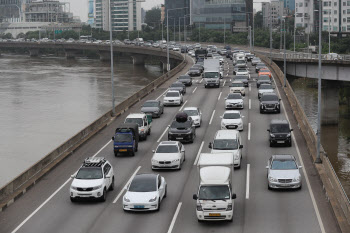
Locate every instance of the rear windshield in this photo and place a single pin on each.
(150, 104)
(191, 112)
(279, 128)
(167, 149)
(177, 85)
(172, 94)
(121, 137)
(234, 96)
(241, 77)
(262, 87)
(237, 85)
(269, 98)
(264, 78)
(241, 62)
(283, 165)
(184, 77)
(134, 120)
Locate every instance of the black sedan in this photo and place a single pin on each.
(185, 79)
(269, 102)
(194, 71)
(178, 86)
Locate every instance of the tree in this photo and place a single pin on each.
(6, 36)
(258, 20)
(153, 16)
(21, 35)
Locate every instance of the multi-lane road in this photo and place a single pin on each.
(47, 207)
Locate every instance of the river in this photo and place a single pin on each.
(44, 101)
(334, 139)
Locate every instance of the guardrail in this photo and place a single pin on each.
(310, 56)
(334, 189)
(15, 188)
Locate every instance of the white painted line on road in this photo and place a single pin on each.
(162, 94)
(126, 185)
(249, 131)
(226, 75)
(194, 89)
(319, 219)
(199, 152)
(219, 96)
(224, 83)
(174, 218)
(230, 80)
(211, 119)
(52, 195)
(250, 87)
(183, 106)
(247, 183)
(201, 81)
(161, 136)
(250, 104)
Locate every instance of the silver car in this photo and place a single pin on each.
(283, 172)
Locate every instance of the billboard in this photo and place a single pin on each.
(91, 16)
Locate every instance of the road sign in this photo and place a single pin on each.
(58, 32)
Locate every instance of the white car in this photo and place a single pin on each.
(243, 71)
(172, 98)
(145, 193)
(232, 119)
(265, 88)
(176, 48)
(237, 87)
(195, 114)
(234, 100)
(168, 155)
(92, 180)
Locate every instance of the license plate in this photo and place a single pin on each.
(139, 206)
(179, 138)
(280, 141)
(123, 150)
(211, 85)
(232, 127)
(214, 214)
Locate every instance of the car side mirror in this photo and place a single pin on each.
(279, 99)
(195, 197)
(267, 167)
(221, 117)
(153, 151)
(240, 146)
(300, 166)
(113, 138)
(234, 196)
(108, 177)
(72, 176)
(210, 145)
(268, 130)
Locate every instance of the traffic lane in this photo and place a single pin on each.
(43, 189)
(287, 209)
(124, 221)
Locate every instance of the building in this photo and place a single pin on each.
(126, 15)
(91, 13)
(336, 16)
(11, 10)
(47, 11)
(233, 15)
(272, 12)
(289, 6)
(182, 14)
(305, 15)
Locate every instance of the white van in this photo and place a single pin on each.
(228, 141)
(143, 122)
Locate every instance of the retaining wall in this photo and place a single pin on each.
(332, 186)
(18, 186)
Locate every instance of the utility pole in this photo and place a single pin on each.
(112, 63)
(294, 38)
(270, 37)
(179, 30)
(284, 55)
(281, 35)
(224, 31)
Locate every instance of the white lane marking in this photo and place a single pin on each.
(249, 131)
(250, 87)
(161, 136)
(230, 80)
(224, 83)
(199, 152)
(248, 181)
(250, 104)
(183, 106)
(211, 119)
(126, 185)
(319, 219)
(219, 96)
(194, 89)
(52, 195)
(226, 75)
(162, 94)
(201, 81)
(174, 218)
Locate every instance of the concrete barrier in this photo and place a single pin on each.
(18, 186)
(332, 186)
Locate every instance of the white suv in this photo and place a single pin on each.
(92, 180)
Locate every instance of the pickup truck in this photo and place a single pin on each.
(143, 121)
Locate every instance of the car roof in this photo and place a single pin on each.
(136, 115)
(270, 93)
(278, 121)
(265, 84)
(283, 157)
(232, 111)
(226, 134)
(190, 108)
(173, 91)
(234, 94)
(169, 143)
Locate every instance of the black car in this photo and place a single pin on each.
(185, 79)
(178, 86)
(249, 57)
(182, 129)
(243, 79)
(154, 107)
(259, 66)
(183, 49)
(194, 71)
(269, 102)
(280, 133)
(263, 79)
(199, 66)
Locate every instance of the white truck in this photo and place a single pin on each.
(144, 122)
(211, 73)
(215, 195)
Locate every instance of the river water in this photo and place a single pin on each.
(334, 139)
(44, 101)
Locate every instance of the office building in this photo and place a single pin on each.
(289, 6)
(183, 9)
(47, 11)
(305, 15)
(272, 12)
(336, 16)
(126, 15)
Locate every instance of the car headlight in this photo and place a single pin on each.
(229, 207)
(296, 179)
(154, 161)
(126, 199)
(73, 187)
(97, 187)
(223, 124)
(153, 199)
(199, 207)
(236, 156)
(288, 135)
(175, 160)
(272, 179)
(272, 135)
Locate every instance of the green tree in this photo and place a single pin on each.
(21, 35)
(153, 16)
(258, 19)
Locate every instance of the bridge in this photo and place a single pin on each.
(44, 205)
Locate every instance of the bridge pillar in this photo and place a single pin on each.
(34, 52)
(105, 55)
(138, 59)
(70, 53)
(330, 103)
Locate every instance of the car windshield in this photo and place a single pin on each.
(269, 98)
(191, 112)
(167, 149)
(143, 185)
(242, 70)
(225, 144)
(264, 78)
(214, 192)
(150, 104)
(211, 75)
(184, 77)
(177, 85)
(134, 120)
(233, 115)
(123, 137)
(241, 62)
(261, 65)
(265, 87)
(279, 128)
(237, 85)
(234, 96)
(180, 125)
(89, 173)
(172, 94)
(194, 68)
(241, 78)
(283, 165)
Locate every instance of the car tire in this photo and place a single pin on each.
(290, 144)
(136, 148)
(166, 191)
(111, 187)
(271, 144)
(184, 157)
(145, 137)
(158, 208)
(104, 196)
(268, 187)
(199, 220)
(279, 111)
(133, 153)
(300, 187)
(261, 111)
(149, 132)
(115, 154)
(230, 220)
(72, 199)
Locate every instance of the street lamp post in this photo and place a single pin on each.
(224, 31)
(284, 55)
(294, 38)
(112, 65)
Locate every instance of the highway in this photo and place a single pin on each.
(47, 207)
